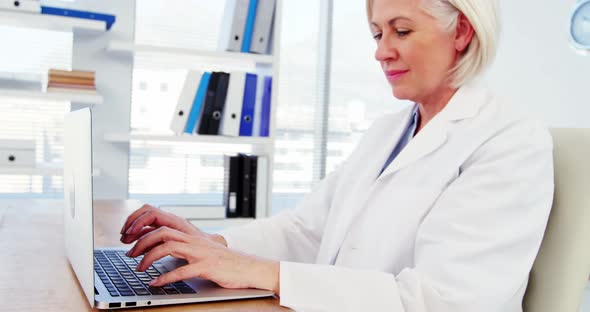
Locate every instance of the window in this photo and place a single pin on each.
(359, 92)
(192, 173)
(33, 51)
(195, 171)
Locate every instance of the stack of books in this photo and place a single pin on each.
(71, 81)
(247, 26)
(218, 103)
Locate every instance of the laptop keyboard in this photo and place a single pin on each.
(117, 273)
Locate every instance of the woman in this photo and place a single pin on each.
(442, 207)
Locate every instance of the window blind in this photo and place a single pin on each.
(359, 91)
(194, 171)
(34, 51)
(358, 94)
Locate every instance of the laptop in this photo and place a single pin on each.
(106, 275)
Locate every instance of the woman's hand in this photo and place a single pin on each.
(148, 218)
(206, 259)
(159, 234)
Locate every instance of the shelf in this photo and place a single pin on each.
(40, 169)
(50, 22)
(79, 98)
(129, 47)
(218, 223)
(218, 139)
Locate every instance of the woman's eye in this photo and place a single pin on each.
(377, 36)
(402, 33)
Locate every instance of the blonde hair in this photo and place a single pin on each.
(483, 16)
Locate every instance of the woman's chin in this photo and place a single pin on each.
(401, 93)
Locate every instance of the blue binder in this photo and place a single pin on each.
(197, 103)
(265, 116)
(248, 105)
(109, 19)
(249, 29)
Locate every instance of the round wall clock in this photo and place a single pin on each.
(580, 26)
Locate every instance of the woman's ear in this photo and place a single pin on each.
(464, 33)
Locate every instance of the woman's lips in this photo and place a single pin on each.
(393, 75)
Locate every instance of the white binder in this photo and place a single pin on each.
(261, 187)
(263, 26)
(27, 6)
(234, 22)
(185, 102)
(232, 114)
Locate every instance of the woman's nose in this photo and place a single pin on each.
(385, 51)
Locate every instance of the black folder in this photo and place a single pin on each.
(245, 208)
(214, 103)
(219, 104)
(209, 103)
(233, 199)
(253, 174)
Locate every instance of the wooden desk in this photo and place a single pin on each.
(35, 274)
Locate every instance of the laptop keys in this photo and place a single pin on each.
(127, 293)
(183, 288)
(170, 290)
(117, 272)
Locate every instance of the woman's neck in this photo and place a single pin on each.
(434, 103)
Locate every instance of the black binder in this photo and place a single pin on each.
(219, 104)
(209, 103)
(233, 198)
(245, 208)
(253, 175)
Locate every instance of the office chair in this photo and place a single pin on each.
(561, 269)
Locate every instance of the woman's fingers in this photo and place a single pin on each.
(156, 218)
(156, 237)
(181, 273)
(134, 216)
(128, 239)
(174, 249)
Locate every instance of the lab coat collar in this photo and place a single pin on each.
(464, 104)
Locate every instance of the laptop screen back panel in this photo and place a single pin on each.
(78, 219)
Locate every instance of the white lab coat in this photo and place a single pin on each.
(453, 224)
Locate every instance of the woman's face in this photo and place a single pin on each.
(414, 51)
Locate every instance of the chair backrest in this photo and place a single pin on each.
(561, 269)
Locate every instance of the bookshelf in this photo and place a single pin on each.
(82, 29)
(112, 56)
(123, 51)
(75, 97)
(50, 22)
(40, 169)
(47, 169)
(216, 139)
(131, 48)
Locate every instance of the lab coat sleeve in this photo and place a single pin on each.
(292, 235)
(295, 235)
(473, 250)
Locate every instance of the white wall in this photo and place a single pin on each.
(535, 66)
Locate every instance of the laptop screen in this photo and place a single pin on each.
(78, 217)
